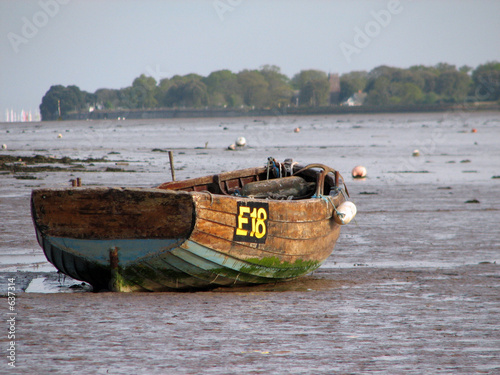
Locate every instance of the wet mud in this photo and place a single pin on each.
(412, 286)
(358, 320)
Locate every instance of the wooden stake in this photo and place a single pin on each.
(171, 157)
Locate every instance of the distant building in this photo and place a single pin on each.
(334, 81)
(356, 99)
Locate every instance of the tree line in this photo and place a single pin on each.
(267, 87)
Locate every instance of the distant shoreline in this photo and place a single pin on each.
(291, 111)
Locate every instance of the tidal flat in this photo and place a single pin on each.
(412, 286)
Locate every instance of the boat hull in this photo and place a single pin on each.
(176, 240)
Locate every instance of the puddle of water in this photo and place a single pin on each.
(39, 285)
(46, 285)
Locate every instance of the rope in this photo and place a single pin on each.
(328, 199)
(271, 163)
(339, 214)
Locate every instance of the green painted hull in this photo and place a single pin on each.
(162, 265)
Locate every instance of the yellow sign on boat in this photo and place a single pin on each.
(251, 222)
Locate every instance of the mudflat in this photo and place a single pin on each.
(412, 286)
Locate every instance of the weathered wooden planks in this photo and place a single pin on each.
(100, 213)
(295, 229)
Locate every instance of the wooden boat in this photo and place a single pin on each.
(251, 226)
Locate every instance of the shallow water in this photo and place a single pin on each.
(412, 286)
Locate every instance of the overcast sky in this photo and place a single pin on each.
(107, 43)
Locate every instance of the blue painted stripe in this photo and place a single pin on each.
(224, 260)
(158, 255)
(199, 269)
(201, 265)
(130, 250)
(163, 264)
(212, 271)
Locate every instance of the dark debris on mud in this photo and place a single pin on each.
(40, 163)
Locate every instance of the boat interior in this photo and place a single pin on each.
(286, 180)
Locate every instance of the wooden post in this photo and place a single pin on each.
(76, 182)
(113, 258)
(171, 157)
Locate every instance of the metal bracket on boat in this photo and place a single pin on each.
(220, 183)
(210, 194)
(280, 169)
(321, 178)
(289, 164)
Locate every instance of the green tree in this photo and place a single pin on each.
(173, 95)
(465, 69)
(427, 77)
(223, 89)
(419, 84)
(300, 79)
(108, 98)
(380, 92)
(162, 90)
(66, 99)
(313, 86)
(377, 73)
(430, 98)
(194, 93)
(142, 93)
(405, 93)
(279, 91)
(486, 81)
(183, 91)
(453, 85)
(351, 83)
(445, 67)
(268, 88)
(315, 93)
(253, 88)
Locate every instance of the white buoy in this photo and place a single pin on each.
(416, 153)
(358, 171)
(59, 135)
(231, 147)
(4, 147)
(241, 142)
(345, 213)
